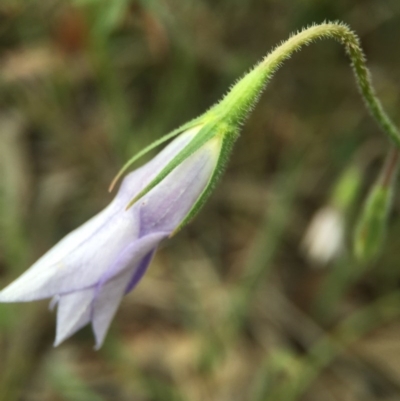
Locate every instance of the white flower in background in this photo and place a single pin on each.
(324, 237)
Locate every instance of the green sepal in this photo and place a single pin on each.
(158, 142)
(207, 132)
(371, 228)
(226, 148)
(232, 109)
(236, 105)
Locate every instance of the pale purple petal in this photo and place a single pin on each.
(132, 256)
(106, 304)
(73, 313)
(166, 205)
(78, 237)
(85, 267)
(134, 182)
(139, 272)
(54, 302)
(99, 303)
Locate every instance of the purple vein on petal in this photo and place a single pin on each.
(139, 272)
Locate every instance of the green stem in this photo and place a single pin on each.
(243, 96)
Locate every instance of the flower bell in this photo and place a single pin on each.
(89, 271)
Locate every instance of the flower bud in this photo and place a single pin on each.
(371, 228)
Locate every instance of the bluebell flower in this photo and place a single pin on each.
(89, 271)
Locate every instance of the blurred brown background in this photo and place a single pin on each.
(231, 308)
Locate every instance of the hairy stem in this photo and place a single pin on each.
(351, 43)
(243, 96)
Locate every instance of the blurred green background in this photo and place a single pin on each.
(232, 308)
